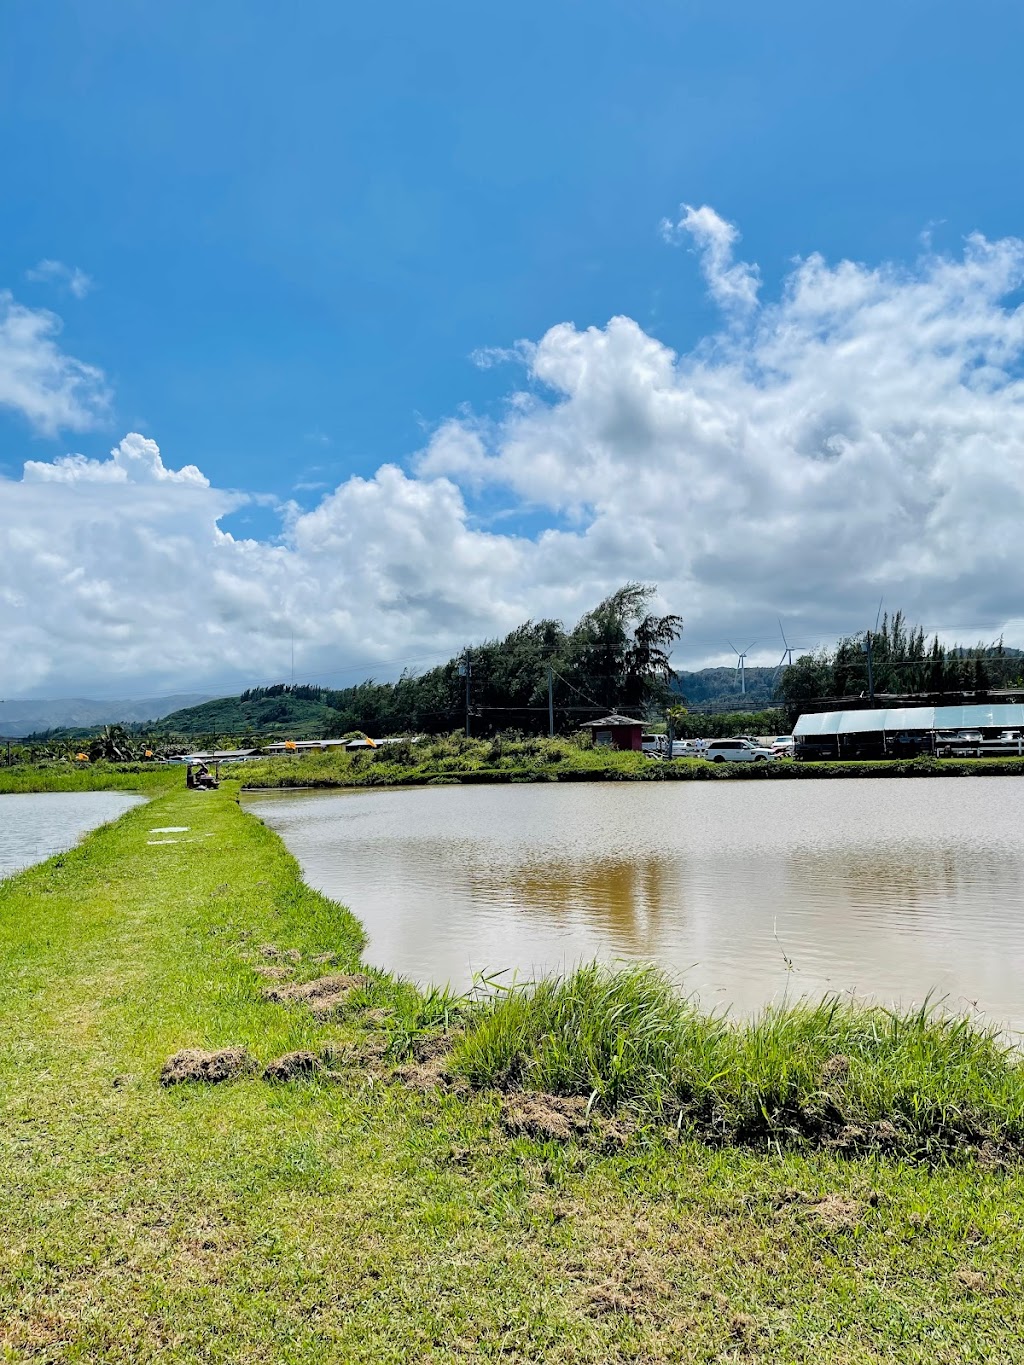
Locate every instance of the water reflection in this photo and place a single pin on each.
(748, 892)
(620, 895)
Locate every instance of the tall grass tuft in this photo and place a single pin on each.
(923, 1083)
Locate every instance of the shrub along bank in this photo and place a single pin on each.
(457, 759)
(409, 1195)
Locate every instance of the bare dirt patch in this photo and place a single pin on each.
(428, 1069)
(431, 1074)
(368, 1050)
(835, 1070)
(209, 1068)
(835, 1211)
(561, 1117)
(973, 1281)
(272, 951)
(323, 995)
(545, 1116)
(296, 1066)
(275, 973)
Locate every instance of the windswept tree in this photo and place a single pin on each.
(619, 655)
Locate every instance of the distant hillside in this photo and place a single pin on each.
(283, 714)
(324, 713)
(717, 687)
(18, 718)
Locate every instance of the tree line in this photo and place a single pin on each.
(903, 661)
(615, 658)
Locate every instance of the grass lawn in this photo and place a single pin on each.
(362, 1219)
(149, 778)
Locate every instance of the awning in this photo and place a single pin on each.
(1009, 716)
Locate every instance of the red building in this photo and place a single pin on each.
(616, 732)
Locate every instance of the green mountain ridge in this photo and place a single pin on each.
(308, 712)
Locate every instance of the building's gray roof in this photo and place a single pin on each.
(609, 721)
(893, 719)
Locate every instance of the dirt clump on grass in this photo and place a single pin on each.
(271, 951)
(430, 1074)
(562, 1117)
(835, 1211)
(193, 1064)
(545, 1116)
(323, 995)
(428, 1069)
(296, 1066)
(835, 1070)
(275, 973)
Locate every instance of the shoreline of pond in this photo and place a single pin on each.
(319, 776)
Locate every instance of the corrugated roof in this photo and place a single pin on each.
(1005, 717)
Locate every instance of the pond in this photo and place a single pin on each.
(746, 892)
(37, 825)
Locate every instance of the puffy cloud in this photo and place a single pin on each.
(56, 272)
(732, 284)
(861, 435)
(49, 389)
(134, 460)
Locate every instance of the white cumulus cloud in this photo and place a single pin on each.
(134, 460)
(861, 435)
(50, 389)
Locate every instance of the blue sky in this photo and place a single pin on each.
(300, 223)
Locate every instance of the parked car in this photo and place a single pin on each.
(656, 746)
(737, 751)
(1007, 742)
(784, 746)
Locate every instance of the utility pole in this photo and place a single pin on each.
(670, 729)
(551, 703)
(871, 675)
(466, 671)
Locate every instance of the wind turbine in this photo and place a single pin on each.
(787, 653)
(741, 658)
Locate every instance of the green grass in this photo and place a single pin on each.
(364, 1221)
(927, 1084)
(89, 777)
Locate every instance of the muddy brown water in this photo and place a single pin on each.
(746, 892)
(37, 825)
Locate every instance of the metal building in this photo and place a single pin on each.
(906, 731)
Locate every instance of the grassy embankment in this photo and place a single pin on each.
(367, 1217)
(148, 778)
(455, 759)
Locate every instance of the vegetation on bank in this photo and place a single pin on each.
(86, 777)
(402, 1203)
(455, 759)
(924, 1084)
